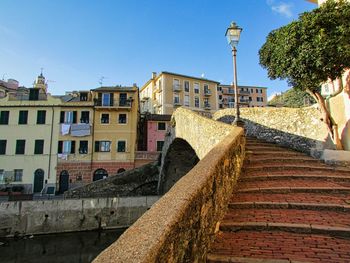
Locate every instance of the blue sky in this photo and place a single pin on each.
(77, 41)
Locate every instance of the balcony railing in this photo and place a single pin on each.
(176, 87)
(245, 101)
(177, 103)
(207, 92)
(244, 92)
(23, 96)
(207, 106)
(113, 104)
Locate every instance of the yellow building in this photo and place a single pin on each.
(249, 96)
(164, 92)
(28, 135)
(115, 129)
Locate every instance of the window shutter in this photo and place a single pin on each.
(97, 146)
(72, 147)
(60, 146)
(75, 116)
(62, 117)
(111, 99)
(99, 100)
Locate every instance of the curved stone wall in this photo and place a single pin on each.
(297, 128)
(181, 225)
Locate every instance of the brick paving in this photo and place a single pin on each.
(287, 207)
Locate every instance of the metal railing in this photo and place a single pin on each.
(114, 103)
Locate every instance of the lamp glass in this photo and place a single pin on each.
(233, 34)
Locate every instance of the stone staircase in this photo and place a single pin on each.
(288, 207)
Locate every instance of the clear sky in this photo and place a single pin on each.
(79, 41)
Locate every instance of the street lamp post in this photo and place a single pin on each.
(233, 33)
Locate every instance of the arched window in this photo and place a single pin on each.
(120, 170)
(100, 174)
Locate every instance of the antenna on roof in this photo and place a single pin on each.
(101, 80)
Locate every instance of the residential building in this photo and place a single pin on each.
(164, 92)
(11, 85)
(249, 96)
(114, 130)
(75, 141)
(28, 135)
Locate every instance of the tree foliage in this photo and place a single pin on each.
(292, 98)
(310, 51)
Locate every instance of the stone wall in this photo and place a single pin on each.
(297, 128)
(56, 216)
(181, 225)
(136, 182)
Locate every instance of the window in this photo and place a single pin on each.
(257, 99)
(187, 100)
(251, 90)
(1, 175)
(257, 91)
(161, 126)
(66, 147)
(160, 146)
(196, 102)
(83, 147)
(261, 91)
(41, 117)
(176, 100)
(250, 98)
(123, 99)
(20, 146)
(102, 146)
(83, 96)
(187, 86)
(176, 84)
(122, 118)
(4, 117)
(106, 99)
(23, 117)
(34, 94)
(68, 117)
(261, 99)
(85, 117)
(39, 147)
(104, 118)
(196, 88)
(3, 147)
(18, 175)
(121, 146)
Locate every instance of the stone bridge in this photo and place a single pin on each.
(180, 226)
(201, 163)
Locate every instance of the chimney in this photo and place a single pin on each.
(154, 75)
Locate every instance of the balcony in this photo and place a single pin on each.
(177, 103)
(244, 92)
(244, 101)
(228, 91)
(207, 106)
(177, 88)
(125, 104)
(207, 92)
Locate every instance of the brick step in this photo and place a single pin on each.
(282, 190)
(298, 215)
(341, 199)
(271, 153)
(290, 205)
(219, 258)
(293, 182)
(292, 172)
(230, 226)
(267, 148)
(263, 144)
(329, 177)
(295, 160)
(266, 157)
(296, 167)
(279, 245)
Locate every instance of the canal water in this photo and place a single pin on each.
(78, 247)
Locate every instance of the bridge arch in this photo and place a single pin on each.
(180, 158)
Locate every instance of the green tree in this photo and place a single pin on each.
(292, 98)
(310, 51)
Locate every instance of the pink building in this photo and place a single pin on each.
(156, 129)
